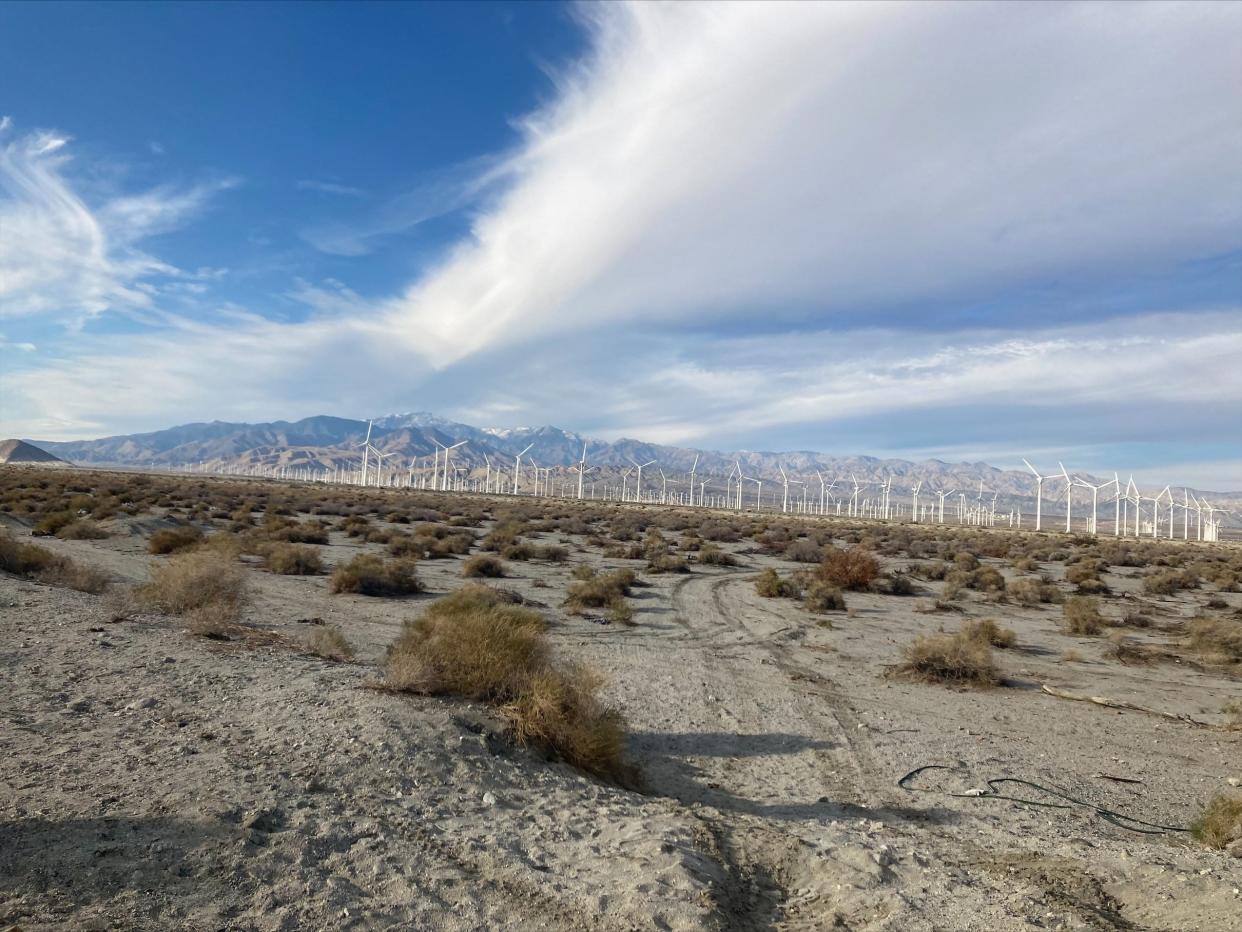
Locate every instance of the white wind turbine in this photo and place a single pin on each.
(517, 462)
(638, 482)
(581, 468)
(785, 486)
(448, 452)
(914, 500)
(693, 467)
(663, 487)
(366, 451)
(1039, 494)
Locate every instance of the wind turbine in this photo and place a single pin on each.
(785, 485)
(448, 452)
(517, 462)
(638, 483)
(581, 468)
(366, 450)
(914, 500)
(1039, 494)
(693, 467)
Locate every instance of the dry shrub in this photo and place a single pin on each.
(51, 524)
(1033, 591)
(201, 582)
(1220, 823)
(173, 540)
(1219, 639)
(620, 612)
(770, 585)
(1168, 582)
(1081, 616)
(711, 555)
(329, 643)
(953, 659)
(483, 565)
(560, 709)
(897, 584)
(823, 597)
(291, 560)
(475, 644)
(599, 590)
(216, 621)
(367, 574)
(1025, 565)
(1071, 656)
(82, 529)
(667, 563)
(803, 550)
(1233, 711)
(854, 569)
(987, 631)
(40, 564)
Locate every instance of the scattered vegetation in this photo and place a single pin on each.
(202, 584)
(853, 569)
(368, 574)
(40, 564)
(1220, 823)
(483, 565)
(329, 643)
(1081, 616)
(292, 560)
(961, 659)
(174, 540)
(987, 631)
(474, 644)
(771, 585)
(599, 590)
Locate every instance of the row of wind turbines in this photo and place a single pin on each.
(1134, 513)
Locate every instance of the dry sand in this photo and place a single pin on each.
(152, 780)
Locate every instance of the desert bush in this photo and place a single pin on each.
(1081, 616)
(1220, 823)
(291, 560)
(1125, 649)
(853, 569)
(823, 596)
(989, 632)
(40, 564)
(50, 524)
(770, 585)
(329, 643)
(519, 551)
(470, 645)
(82, 529)
(667, 563)
(174, 540)
(481, 565)
(599, 591)
(203, 581)
(1220, 639)
(897, 584)
(301, 532)
(583, 571)
(803, 550)
(367, 574)
(1168, 582)
(953, 659)
(620, 612)
(1233, 711)
(552, 553)
(711, 555)
(1025, 565)
(1033, 591)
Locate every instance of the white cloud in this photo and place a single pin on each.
(724, 160)
(330, 187)
(58, 256)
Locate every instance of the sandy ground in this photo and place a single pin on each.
(152, 780)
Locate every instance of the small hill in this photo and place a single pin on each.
(19, 451)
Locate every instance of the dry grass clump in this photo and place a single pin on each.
(1219, 639)
(51, 524)
(291, 560)
(1233, 710)
(1168, 582)
(667, 563)
(367, 574)
(987, 631)
(82, 529)
(854, 569)
(202, 582)
(471, 644)
(1081, 616)
(329, 643)
(823, 596)
(599, 590)
(483, 565)
(896, 584)
(953, 659)
(173, 540)
(620, 612)
(1125, 649)
(1033, 591)
(711, 555)
(40, 564)
(804, 550)
(1220, 823)
(771, 585)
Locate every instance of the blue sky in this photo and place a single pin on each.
(972, 231)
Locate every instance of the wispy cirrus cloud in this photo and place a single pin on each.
(330, 187)
(61, 256)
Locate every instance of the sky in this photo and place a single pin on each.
(966, 231)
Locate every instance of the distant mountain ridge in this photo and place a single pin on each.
(326, 442)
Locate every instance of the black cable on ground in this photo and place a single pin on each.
(1130, 823)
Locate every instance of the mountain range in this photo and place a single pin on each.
(324, 442)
